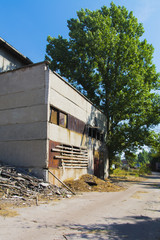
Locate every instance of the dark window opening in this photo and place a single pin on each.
(98, 135)
(90, 132)
(67, 121)
(93, 132)
(101, 137)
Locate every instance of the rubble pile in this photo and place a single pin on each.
(20, 187)
(91, 183)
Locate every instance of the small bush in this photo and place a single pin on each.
(144, 169)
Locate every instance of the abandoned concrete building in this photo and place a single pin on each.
(46, 125)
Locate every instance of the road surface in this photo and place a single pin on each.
(132, 214)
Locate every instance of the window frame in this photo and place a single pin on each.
(57, 122)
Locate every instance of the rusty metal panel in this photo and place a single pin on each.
(99, 164)
(55, 163)
(96, 167)
(71, 156)
(75, 124)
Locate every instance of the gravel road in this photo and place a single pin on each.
(132, 214)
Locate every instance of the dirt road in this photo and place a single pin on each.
(131, 214)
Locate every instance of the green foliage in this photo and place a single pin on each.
(144, 169)
(155, 153)
(116, 160)
(107, 60)
(121, 172)
(131, 158)
(144, 157)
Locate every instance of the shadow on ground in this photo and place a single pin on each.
(134, 228)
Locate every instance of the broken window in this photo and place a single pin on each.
(67, 121)
(62, 119)
(95, 133)
(57, 117)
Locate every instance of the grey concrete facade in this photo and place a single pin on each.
(66, 98)
(23, 117)
(26, 97)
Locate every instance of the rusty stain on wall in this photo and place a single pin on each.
(54, 163)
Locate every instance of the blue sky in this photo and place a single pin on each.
(25, 24)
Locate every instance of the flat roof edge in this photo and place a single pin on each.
(25, 66)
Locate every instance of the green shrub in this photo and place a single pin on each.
(144, 169)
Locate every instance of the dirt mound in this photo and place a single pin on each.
(90, 183)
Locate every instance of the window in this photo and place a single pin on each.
(95, 133)
(102, 137)
(57, 117)
(62, 119)
(90, 132)
(54, 116)
(98, 135)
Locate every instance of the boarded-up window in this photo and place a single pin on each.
(62, 119)
(54, 116)
(75, 124)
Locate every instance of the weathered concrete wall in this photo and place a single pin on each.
(8, 62)
(65, 98)
(23, 116)
(26, 95)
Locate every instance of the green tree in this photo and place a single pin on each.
(144, 157)
(155, 153)
(131, 158)
(106, 59)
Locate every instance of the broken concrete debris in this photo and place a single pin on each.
(17, 185)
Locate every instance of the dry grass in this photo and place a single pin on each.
(90, 183)
(126, 176)
(6, 210)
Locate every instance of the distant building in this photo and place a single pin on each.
(10, 58)
(45, 123)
